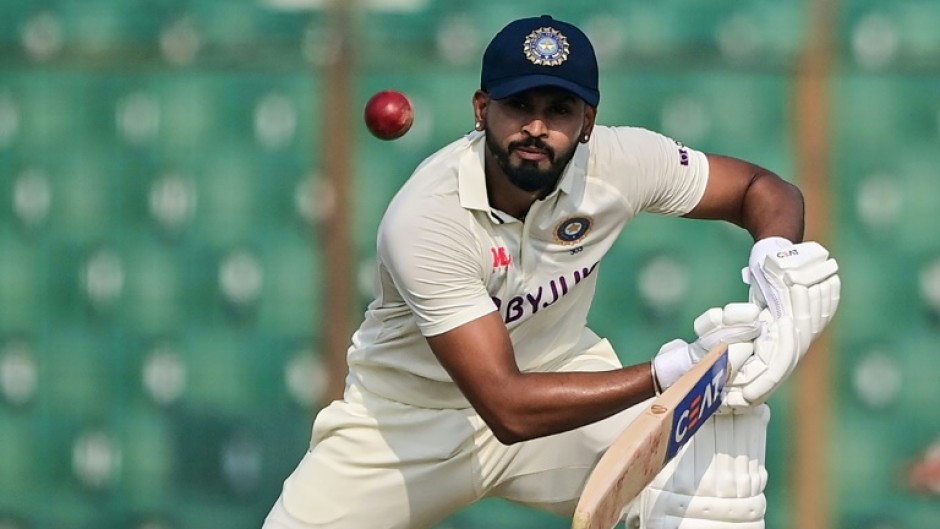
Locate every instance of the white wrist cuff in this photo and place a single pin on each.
(656, 389)
(759, 252)
(673, 360)
(765, 246)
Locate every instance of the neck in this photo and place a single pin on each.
(505, 196)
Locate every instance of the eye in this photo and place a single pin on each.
(561, 109)
(517, 104)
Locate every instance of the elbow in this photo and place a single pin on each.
(502, 414)
(786, 188)
(511, 409)
(763, 182)
(772, 204)
(510, 427)
(507, 435)
(795, 192)
(509, 438)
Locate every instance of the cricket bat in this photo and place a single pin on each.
(651, 441)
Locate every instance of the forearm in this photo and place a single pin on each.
(772, 207)
(539, 404)
(751, 197)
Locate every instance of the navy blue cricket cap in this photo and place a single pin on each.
(540, 51)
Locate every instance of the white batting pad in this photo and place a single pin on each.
(717, 481)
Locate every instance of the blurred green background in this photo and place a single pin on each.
(162, 205)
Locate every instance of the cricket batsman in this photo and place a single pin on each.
(474, 374)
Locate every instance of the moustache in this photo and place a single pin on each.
(535, 143)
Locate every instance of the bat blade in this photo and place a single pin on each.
(651, 441)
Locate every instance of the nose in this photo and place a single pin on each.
(536, 127)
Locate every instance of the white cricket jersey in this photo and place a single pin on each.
(445, 257)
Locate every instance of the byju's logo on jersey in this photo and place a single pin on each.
(572, 230)
(501, 257)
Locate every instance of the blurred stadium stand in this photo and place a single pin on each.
(161, 272)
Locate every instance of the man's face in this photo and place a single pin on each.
(533, 135)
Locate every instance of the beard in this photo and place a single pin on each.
(526, 175)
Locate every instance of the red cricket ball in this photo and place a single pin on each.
(389, 114)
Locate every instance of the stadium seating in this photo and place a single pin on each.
(161, 260)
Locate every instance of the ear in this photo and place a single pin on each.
(480, 101)
(590, 115)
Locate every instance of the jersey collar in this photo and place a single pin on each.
(472, 180)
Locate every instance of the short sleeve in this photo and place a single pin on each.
(436, 263)
(655, 172)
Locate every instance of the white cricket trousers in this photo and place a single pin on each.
(379, 464)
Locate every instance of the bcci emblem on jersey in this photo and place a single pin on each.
(546, 46)
(572, 230)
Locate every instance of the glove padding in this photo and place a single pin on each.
(736, 324)
(797, 281)
(776, 354)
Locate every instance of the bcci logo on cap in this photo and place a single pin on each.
(546, 46)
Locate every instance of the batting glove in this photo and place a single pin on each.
(777, 352)
(736, 324)
(797, 281)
